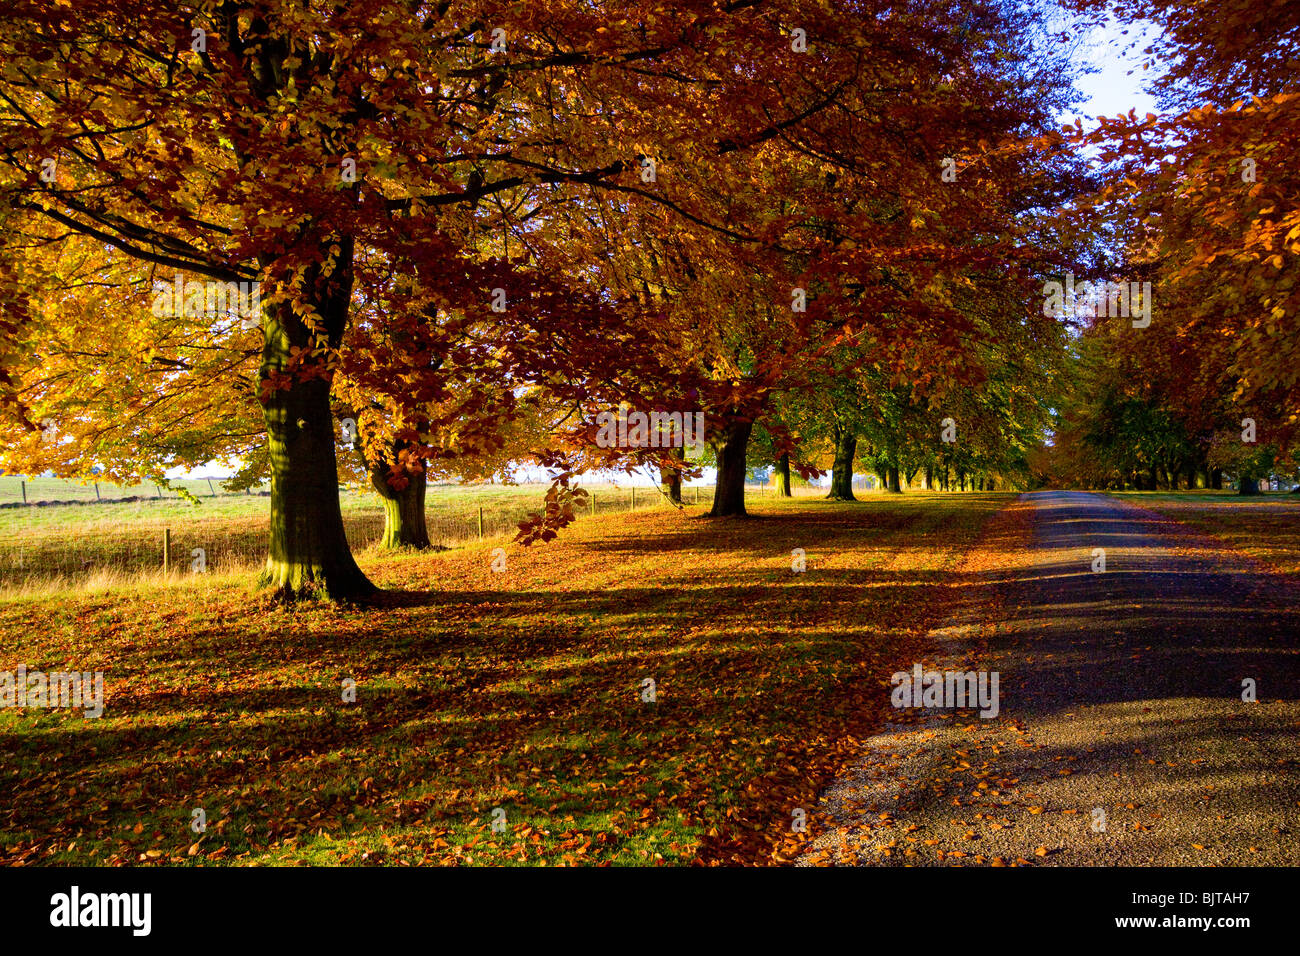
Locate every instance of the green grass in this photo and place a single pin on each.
(478, 690)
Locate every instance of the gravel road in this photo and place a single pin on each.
(1122, 737)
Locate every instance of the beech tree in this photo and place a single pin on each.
(306, 147)
(1211, 197)
(831, 234)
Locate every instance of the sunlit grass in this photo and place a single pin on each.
(1267, 527)
(478, 690)
(98, 546)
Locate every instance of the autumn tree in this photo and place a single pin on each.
(1212, 200)
(305, 148)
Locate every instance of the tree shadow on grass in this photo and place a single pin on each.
(471, 697)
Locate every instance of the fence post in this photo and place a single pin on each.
(97, 498)
(633, 508)
(592, 499)
(211, 489)
(158, 489)
(480, 522)
(167, 550)
(24, 492)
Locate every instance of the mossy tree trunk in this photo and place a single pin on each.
(894, 487)
(729, 492)
(783, 469)
(308, 550)
(404, 523)
(846, 449)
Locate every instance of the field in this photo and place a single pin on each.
(96, 543)
(518, 697)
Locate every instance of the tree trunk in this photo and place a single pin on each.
(729, 492)
(1248, 486)
(308, 550)
(670, 479)
(846, 447)
(404, 524)
(1216, 479)
(783, 469)
(929, 478)
(894, 488)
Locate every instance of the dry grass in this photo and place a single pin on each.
(96, 546)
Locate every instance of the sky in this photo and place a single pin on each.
(1117, 87)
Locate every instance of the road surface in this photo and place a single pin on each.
(1122, 736)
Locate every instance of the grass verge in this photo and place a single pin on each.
(1266, 527)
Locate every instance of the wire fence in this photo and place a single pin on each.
(19, 490)
(154, 534)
